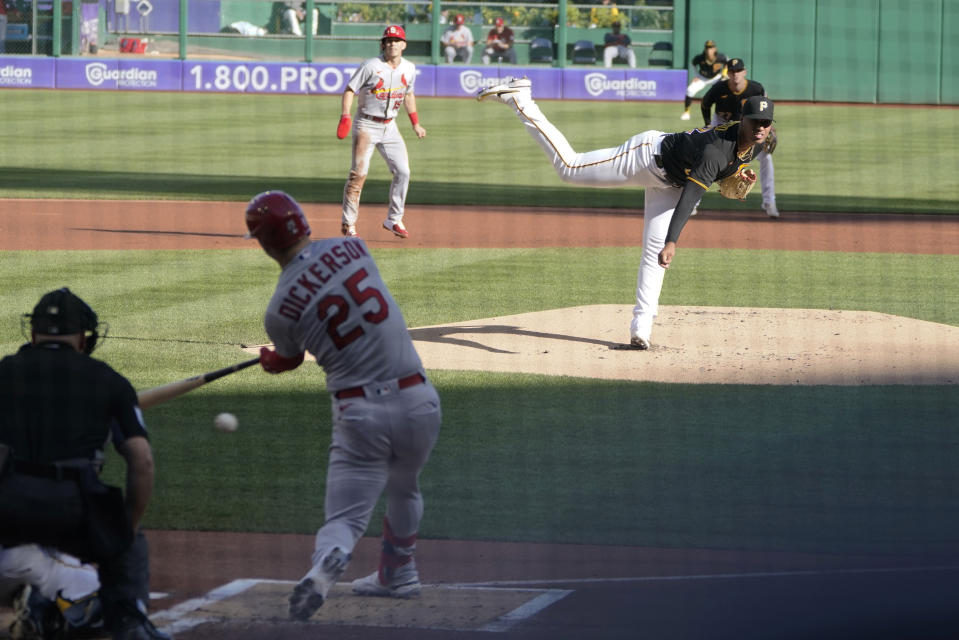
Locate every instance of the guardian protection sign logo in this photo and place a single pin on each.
(97, 73)
(598, 83)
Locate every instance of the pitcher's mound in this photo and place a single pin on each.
(703, 345)
(716, 345)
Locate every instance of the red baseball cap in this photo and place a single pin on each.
(394, 31)
(460, 19)
(498, 22)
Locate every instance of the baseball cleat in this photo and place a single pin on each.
(348, 230)
(310, 594)
(402, 582)
(133, 629)
(685, 116)
(396, 228)
(506, 91)
(770, 209)
(639, 343)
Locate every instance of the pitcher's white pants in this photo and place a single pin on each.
(630, 164)
(385, 138)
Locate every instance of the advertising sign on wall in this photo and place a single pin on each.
(144, 74)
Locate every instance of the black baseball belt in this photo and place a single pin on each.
(72, 470)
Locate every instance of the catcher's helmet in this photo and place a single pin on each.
(61, 313)
(276, 220)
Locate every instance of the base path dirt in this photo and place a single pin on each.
(163, 224)
(222, 585)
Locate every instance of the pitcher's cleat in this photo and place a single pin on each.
(506, 91)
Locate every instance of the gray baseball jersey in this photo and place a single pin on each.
(331, 301)
(380, 89)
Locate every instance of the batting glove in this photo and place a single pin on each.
(346, 122)
(272, 362)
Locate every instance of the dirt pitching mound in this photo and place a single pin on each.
(703, 345)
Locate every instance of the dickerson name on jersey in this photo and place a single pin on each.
(299, 295)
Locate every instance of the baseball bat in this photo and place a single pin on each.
(156, 395)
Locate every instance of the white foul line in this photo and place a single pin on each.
(173, 620)
(528, 610)
(715, 576)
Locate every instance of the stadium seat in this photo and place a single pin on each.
(541, 50)
(661, 55)
(584, 52)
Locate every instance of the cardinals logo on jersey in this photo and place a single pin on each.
(382, 92)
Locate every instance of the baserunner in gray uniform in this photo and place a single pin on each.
(331, 301)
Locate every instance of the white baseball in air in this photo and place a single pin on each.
(226, 422)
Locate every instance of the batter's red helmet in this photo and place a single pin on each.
(276, 220)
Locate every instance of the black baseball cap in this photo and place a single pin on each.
(61, 312)
(735, 64)
(709, 43)
(758, 108)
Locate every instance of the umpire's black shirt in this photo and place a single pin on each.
(59, 404)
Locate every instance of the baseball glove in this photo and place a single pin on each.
(771, 141)
(738, 185)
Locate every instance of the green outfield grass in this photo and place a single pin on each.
(521, 457)
(535, 458)
(225, 147)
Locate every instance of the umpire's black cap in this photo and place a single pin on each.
(758, 108)
(61, 312)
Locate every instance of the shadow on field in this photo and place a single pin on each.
(444, 335)
(814, 469)
(21, 181)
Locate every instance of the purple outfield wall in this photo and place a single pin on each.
(143, 74)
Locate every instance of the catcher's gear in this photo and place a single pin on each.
(771, 141)
(738, 185)
(276, 220)
(343, 128)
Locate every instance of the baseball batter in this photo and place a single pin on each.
(728, 97)
(710, 69)
(331, 301)
(381, 85)
(675, 169)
